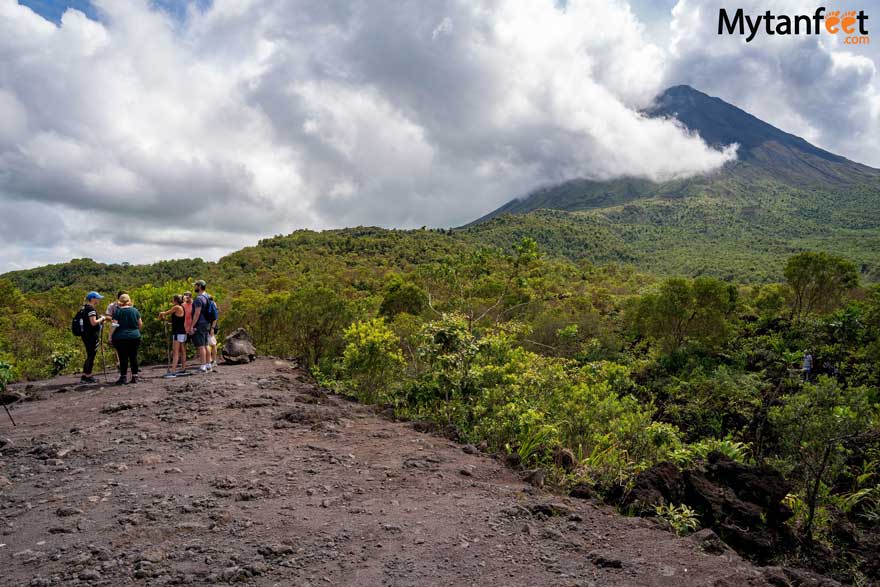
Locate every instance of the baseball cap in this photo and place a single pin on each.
(201, 283)
(93, 295)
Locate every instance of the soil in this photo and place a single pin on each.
(253, 475)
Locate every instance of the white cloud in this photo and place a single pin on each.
(256, 117)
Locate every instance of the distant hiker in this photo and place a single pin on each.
(201, 325)
(187, 312)
(178, 334)
(212, 343)
(109, 312)
(87, 325)
(127, 338)
(807, 366)
(212, 333)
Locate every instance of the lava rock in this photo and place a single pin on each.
(709, 542)
(238, 348)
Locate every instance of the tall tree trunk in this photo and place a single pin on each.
(813, 497)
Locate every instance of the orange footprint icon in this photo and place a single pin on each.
(849, 19)
(831, 21)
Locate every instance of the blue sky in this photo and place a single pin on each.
(53, 9)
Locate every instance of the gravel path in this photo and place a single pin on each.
(253, 475)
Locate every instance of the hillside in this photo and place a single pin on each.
(367, 251)
(781, 196)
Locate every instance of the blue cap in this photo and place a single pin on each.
(93, 295)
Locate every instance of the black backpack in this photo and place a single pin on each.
(77, 327)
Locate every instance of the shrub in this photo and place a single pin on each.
(372, 359)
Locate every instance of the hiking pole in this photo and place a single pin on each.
(168, 345)
(103, 360)
(10, 415)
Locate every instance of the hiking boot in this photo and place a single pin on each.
(87, 379)
(121, 381)
(135, 379)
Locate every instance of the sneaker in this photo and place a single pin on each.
(134, 379)
(87, 379)
(214, 365)
(170, 375)
(203, 369)
(121, 381)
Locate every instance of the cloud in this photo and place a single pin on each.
(253, 117)
(812, 86)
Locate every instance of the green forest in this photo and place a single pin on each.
(537, 356)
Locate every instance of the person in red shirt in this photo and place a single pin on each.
(187, 317)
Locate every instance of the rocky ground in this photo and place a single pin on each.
(254, 475)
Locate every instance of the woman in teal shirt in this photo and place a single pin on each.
(127, 338)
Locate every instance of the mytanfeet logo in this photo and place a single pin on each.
(851, 24)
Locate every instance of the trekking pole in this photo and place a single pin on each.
(10, 415)
(103, 360)
(167, 345)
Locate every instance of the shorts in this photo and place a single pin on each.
(200, 335)
(179, 338)
(212, 340)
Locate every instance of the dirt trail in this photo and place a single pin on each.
(253, 475)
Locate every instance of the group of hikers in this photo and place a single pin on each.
(194, 320)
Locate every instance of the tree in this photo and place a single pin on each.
(372, 357)
(814, 426)
(316, 315)
(681, 310)
(818, 282)
(402, 296)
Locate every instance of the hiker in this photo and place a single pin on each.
(127, 338)
(178, 335)
(807, 366)
(200, 327)
(108, 313)
(212, 339)
(89, 323)
(187, 314)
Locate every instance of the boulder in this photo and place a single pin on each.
(238, 348)
(741, 503)
(709, 542)
(662, 483)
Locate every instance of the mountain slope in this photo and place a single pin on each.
(782, 195)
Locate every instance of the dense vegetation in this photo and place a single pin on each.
(532, 355)
(734, 226)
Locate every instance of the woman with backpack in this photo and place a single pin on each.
(87, 325)
(127, 338)
(178, 335)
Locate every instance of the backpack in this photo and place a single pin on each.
(210, 311)
(77, 327)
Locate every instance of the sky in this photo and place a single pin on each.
(137, 130)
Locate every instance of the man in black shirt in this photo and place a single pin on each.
(91, 334)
